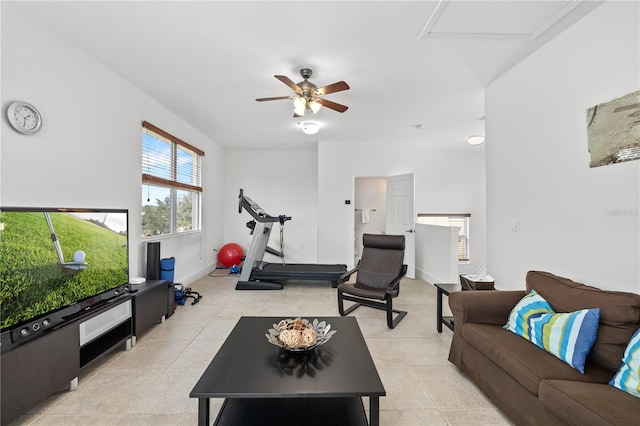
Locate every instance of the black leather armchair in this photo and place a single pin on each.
(378, 277)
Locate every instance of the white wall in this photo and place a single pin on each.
(281, 182)
(339, 163)
(290, 182)
(88, 153)
(437, 253)
(454, 182)
(537, 161)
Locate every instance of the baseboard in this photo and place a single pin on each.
(196, 275)
(431, 279)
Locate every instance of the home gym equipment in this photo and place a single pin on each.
(182, 294)
(167, 268)
(230, 254)
(259, 275)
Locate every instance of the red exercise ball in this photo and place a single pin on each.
(230, 254)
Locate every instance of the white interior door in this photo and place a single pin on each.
(401, 216)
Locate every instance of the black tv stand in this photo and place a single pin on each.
(32, 370)
(150, 305)
(50, 363)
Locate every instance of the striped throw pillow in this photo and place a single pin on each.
(531, 305)
(628, 376)
(568, 336)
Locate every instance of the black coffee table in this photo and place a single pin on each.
(263, 384)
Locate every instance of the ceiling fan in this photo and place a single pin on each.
(309, 96)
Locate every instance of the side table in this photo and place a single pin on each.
(444, 289)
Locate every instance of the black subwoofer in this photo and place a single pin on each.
(153, 261)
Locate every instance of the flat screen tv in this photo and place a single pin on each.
(55, 263)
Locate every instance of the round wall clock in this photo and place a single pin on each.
(24, 117)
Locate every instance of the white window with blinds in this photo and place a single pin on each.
(459, 220)
(171, 183)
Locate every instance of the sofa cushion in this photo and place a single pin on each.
(531, 305)
(589, 403)
(619, 312)
(526, 363)
(627, 378)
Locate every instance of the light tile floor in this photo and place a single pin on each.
(150, 384)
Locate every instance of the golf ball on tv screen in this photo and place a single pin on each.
(78, 257)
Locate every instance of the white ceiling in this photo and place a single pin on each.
(408, 63)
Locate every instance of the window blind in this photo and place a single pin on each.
(170, 161)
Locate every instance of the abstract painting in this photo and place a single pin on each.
(613, 130)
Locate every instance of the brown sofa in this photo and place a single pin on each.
(531, 386)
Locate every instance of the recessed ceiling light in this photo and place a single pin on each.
(475, 139)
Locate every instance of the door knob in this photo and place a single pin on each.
(409, 231)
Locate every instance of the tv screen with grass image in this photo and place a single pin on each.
(55, 258)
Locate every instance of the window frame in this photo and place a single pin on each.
(170, 167)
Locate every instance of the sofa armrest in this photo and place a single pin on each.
(485, 307)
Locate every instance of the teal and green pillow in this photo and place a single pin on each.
(567, 336)
(628, 376)
(531, 305)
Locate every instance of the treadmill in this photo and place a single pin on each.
(259, 275)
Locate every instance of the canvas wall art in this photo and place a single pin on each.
(613, 130)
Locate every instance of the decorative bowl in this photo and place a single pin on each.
(299, 335)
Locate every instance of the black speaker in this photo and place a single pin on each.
(153, 261)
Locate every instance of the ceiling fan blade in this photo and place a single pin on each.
(286, 80)
(333, 105)
(272, 99)
(332, 88)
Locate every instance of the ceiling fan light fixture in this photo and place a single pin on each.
(300, 103)
(314, 106)
(475, 139)
(310, 127)
(299, 106)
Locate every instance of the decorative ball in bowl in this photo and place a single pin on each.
(299, 335)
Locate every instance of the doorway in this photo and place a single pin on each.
(385, 205)
(370, 212)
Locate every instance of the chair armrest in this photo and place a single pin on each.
(486, 307)
(344, 277)
(394, 286)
